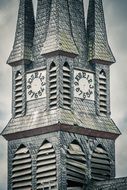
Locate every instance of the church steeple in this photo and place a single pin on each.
(98, 47)
(60, 135)
(22, 48)
(59, 35)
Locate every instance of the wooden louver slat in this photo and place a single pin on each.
(52, 86)
(100, 164)
(46, 186)
(21, 170)
(18, 95)
(103, 93)
(46, 167)
(76, 166)
(66, 86)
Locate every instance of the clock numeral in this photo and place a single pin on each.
(36, 74)
(30, 92)
(84, 95)
(42, 90)
(32, 77)
(78, 77)
(42, 84)
(80, 92)
(42, 78)
(30, 81)
(29, 86)
(89, 93)
(32, 95)
(77, 89)
(76, 84)
(90, 80)
(84, 75)
(91, 86)
(36, 95)
(40, 75)
(88, 77)
(39, 93)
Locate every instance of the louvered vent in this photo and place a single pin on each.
(100, 165)
(46, 168)
(66, 86)
(52, 86)
(102, 93)
(21, 172)
(76, 167)
(18, 95)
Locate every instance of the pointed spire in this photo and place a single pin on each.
(22, 48)
(59, 35)
(97, 37)
(41, 26)
(77, 17)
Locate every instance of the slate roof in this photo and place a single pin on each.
(59, 37)
(22, 48)
(60, 27)
(39, 119)
(61, 33)
(99, 48)
(117, 183)
(41, 26)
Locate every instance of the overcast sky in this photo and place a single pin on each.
(116, 21)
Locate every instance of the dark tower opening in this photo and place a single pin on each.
(76, 166)
(100, 164)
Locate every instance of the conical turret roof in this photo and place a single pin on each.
(22, 48)
(98, 47)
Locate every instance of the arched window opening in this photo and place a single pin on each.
(21, 170)
(66, 86)
(103, 93)
(46, 167)
(52, 86)
(18, 95)
(76, 167)
(100, 164)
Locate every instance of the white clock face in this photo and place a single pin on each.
(36, 85)
(83, 85)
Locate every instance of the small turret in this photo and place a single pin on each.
(98, 47)
(22, 48)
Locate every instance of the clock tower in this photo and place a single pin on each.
(61, 135)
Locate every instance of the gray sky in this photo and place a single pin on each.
(115, 15)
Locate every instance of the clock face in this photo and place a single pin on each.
(83, 85)
(36, 85)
